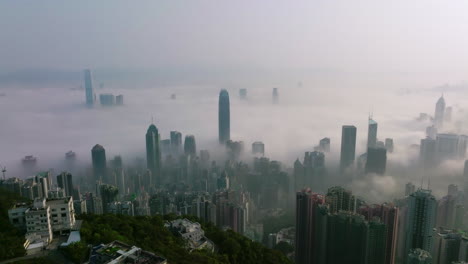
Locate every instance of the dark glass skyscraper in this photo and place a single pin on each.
(372, 134)
(224, 117)
(348, 146)
(190, 148)
(176, 142)
(88, 87)
(64, 181)
(153, 153)
(98, 154)
(376, 160)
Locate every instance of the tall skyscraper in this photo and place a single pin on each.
(98, 154)
(153, 154)
(347, 235)
(224, 117)
(324, 144)
(439, 113)
(372, 134)
(258, 148)
(427, 152)
(310, 221)
(190, 147)
(88, 80)
(65, 182)
(389, 145)
(176, 142)
(348, 146)
(376, 160)
(420, 220)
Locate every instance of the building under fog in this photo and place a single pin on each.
(439, 113)
(224, 121)
(153, 153)
(376, 160)
(88, 81)
(98, 155)
(258, 148)
(348, 146)
(372, 134)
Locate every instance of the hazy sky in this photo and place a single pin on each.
(361, 35)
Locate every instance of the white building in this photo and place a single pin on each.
(62, 213)
(38, 219)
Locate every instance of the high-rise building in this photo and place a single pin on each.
(153, 154)
(308, 215)
(224, 117)
(388, 215)
(324, 144)
(376, 160)
(314, 169)
(64, 181)
(258, 148)
(447, 146)
(439, 113)
(98, 154)
(340, 199)
(427, 152)
(108, 195)
(389, 145)
(107, 99)
(88, 80)
(347, 235)
(119, 99)
(420, 220)
(190, 147)
(372, 134)
(348, 146)
(176, 142)
(446, 246)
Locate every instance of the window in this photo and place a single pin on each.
(64, 215)
(63, 209)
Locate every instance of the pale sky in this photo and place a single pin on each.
(359, 35)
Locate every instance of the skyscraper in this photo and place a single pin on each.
(88, 87)
(348, 146)
(258, 148)
(420, 220)
(190, 147)
(439, 113)
(153, 154)
(427, 152)
(224, 117)
(98, 154)
(376, 160)
(64, 181)
(308, 215)
(176, 142)
(324, 144)
(389, 145)
(372, 134)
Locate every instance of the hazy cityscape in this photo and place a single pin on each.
(221, 142)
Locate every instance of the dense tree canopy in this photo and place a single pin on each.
(150, 234)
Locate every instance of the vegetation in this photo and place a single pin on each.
(150, 234)
(43, 260)
(11, 239)
(76, 252)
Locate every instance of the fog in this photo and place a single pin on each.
(392, 60)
